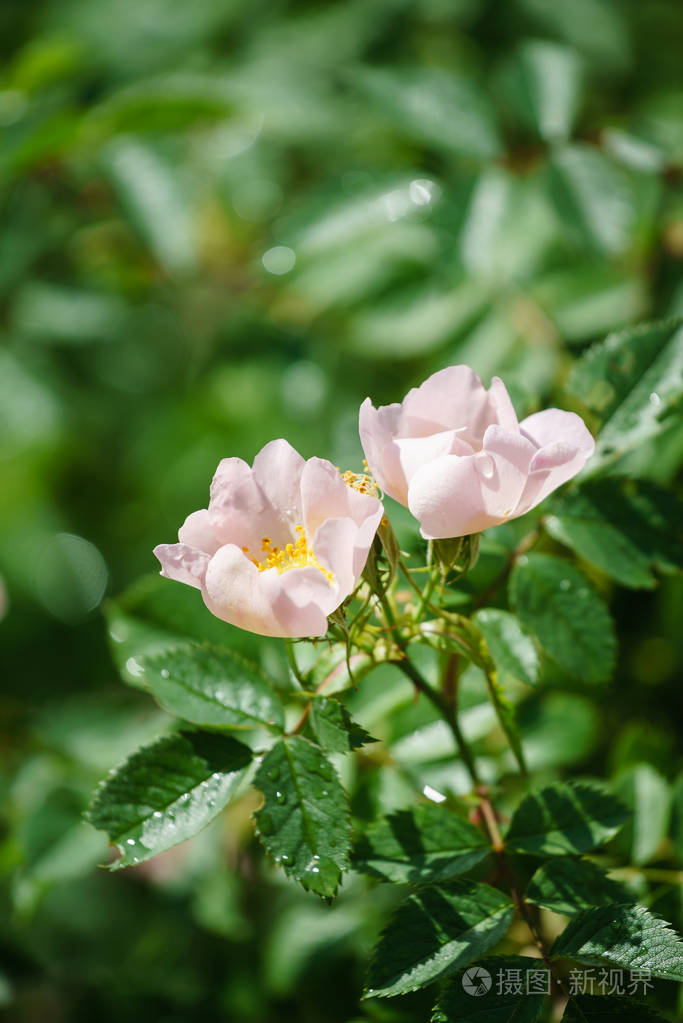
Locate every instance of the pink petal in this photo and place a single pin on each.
(553, 426)
(342, 547)
(277, 470)
(551, 466)
(377, 428)
(325, 495)
(183, 563)
(231, 472)
(499, 400)
(240, 511)
(197, 531)
(454, 397)
(414, 452)
(266, 603)
(456, 496)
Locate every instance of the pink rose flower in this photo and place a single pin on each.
(280, 546)
(455, 454)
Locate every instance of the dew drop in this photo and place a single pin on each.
(655, 399)
(485, 465)
(315, 870)
(564, 584)
(157, 814)
(583, 592)
(280, 798)
(130, 841)
(165, 673)
(285, 857)
(273, 773)
(316, 857)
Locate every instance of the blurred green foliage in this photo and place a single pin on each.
(223, 223)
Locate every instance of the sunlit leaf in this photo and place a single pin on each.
(167, 792)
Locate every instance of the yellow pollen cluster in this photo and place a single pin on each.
(361, 481)
(292, 555)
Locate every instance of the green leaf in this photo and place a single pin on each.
(425, 844)
(304, 823)
(593, 196)
(568, 886)
(559, 729)
(505, 712)
(157, 200)
(334, 728)
(167, 792)
(434, 932)
(629, 937)
(509, 998)
(542, 83)
(556, 603)
(151, 616)
(624, 527)
(213, 687)
(608, 1009)
(646, 794)
(434, 107)
(512, 650)
(632, 380)
(564, 818)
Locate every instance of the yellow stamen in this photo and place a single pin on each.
(294, 555)
(361, 481)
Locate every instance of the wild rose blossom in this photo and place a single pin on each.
(281, 544)
(456, 456)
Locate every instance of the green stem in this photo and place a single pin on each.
(448, 713)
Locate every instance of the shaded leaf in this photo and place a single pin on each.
(334, 727)
(556, 603)
(167, 792)
(542, 84)
(434, 932)
(568, 886)
(156, 199)
(677, 818)
(304, 823)
(425, 844)
(633, 381)
(626, 528)
(608, 1009)
(564, 818)
(502, 1002)
(629, 937)
(213, 687)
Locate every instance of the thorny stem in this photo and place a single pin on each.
(521, 906)
(446, 703)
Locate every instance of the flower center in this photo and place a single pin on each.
(292, 555)
(361, 481)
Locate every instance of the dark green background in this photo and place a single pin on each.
(458, 180)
